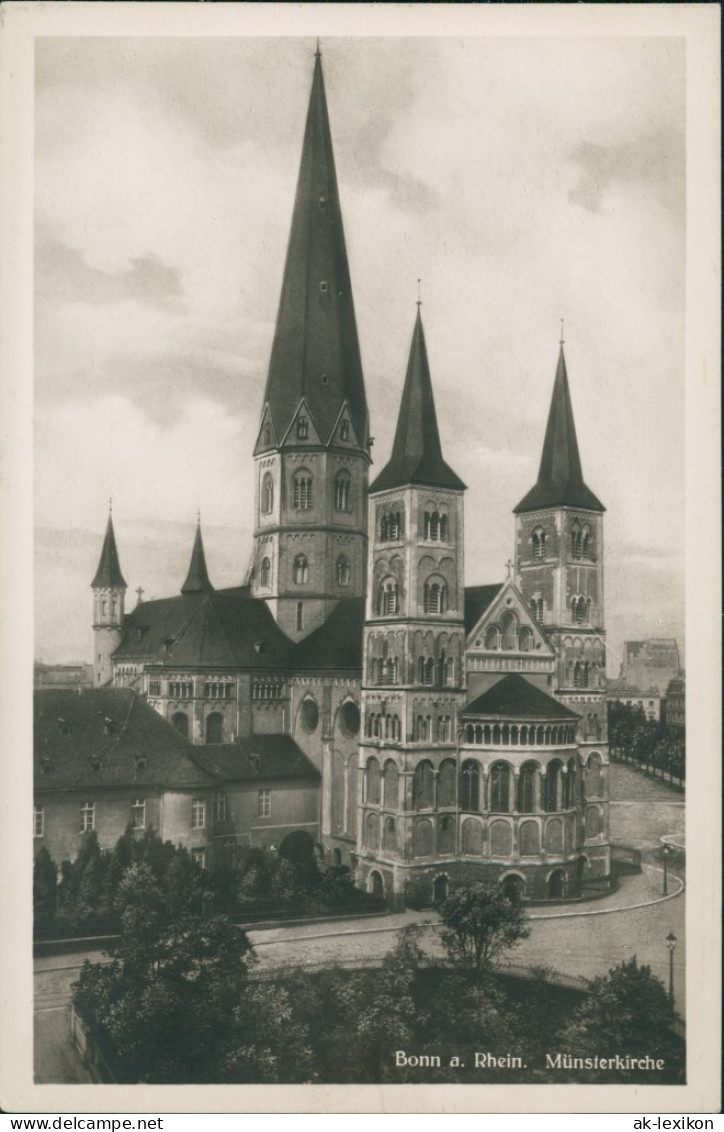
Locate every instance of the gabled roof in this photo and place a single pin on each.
(257, 758)
(109, 573)
(337, 643)
(508, 599)
(477, 600)
(417, 453)
(96, 738)
(219, 629)
(197, 579)
(315, 353)
(514, 697)
(560, 478)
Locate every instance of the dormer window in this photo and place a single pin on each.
(322, 203)
(323, 287)
(302, 428)
(344, 430)
(325, 379)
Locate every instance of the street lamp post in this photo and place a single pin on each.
(666, 852)
(671, 944)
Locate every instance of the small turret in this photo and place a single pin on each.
(197, 579)
(109, 591)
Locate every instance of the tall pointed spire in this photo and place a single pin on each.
(197, 579)
(109, 573)
(560, 477)
(417, 453)
(315, 353)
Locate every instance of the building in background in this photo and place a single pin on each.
(649, 665)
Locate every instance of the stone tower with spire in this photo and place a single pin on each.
(312, 450)
(559, 565)
(109, 592)
(413, 670)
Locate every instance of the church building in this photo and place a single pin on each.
(444, 734)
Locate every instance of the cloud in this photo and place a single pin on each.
(655, 161)
(62, 273)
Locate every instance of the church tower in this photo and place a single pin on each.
(413, 676)
(559, 565)
(313, 449)
(109, 591)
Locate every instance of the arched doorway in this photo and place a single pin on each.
(556, 884)
(377, 887)
(513, 888)
(336, 858)
(181, 722)
(580, 873)
(439, 889)
(297, 846)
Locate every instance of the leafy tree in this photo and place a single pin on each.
(479, 923)
(45, 880)
(336, 885)
(626, 1012)
(182, 885)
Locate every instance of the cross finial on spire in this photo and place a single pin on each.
(562, 341)
(509, 567)
(419, 300)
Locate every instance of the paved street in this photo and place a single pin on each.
(584, 940)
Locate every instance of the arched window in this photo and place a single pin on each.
(552, 797)
(267, 494)
(344, 430)
(349, 718)
(389, 835)
(422, 729)
(426, 670)
(525, 639)
(594, 777)
(214, 727)
(509, 627)
(181, 722)
(579, 609)
(265, 571)
(372, 831)
(529, 839)
(569, 785)
(580, 674)
(343, 570)
(302, 428)
(423, 786)
(539, 543)
(446, 835)
(341, 491)
(536, 608)
(527, 788)
(435, 526)
(576, 541)
(444, 728)
(374, 782)
(301, 570)
(422, 838)
(435, 597)
(500, 788)
(309, 715)
(387, 597)
(390, 526)
(491, 637)
(472, 838)
(446, 783)
(302, 492)
(391, 785)
(586, 542)
(470, 786)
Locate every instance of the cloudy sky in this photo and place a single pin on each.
(524, 180)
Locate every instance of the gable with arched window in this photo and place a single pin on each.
(342, 488)
(301, 570)
(267, 494)
(303, 490)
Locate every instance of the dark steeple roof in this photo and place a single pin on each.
(560, 478)
(514, 697)
(315, 354)
(416, 453)
(197, 579)
(109, 570)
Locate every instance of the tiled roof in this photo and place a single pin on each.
(416, 452)
(315, 354)
(257, 758)
(337, 644)
(477, 600)
(109, 569)
(513, 697)
(218, 629)
(95, 739)
(560, 478)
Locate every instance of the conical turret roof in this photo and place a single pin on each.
(417, 453)
(109, 573)
(315, 354)
(560, 477)
(197, 579)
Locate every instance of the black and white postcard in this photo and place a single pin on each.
(360, 558)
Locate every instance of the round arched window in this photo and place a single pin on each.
(349, 718)
(310, 715)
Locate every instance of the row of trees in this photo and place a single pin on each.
(657, 747)
(80, 894)
(181, 1002)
